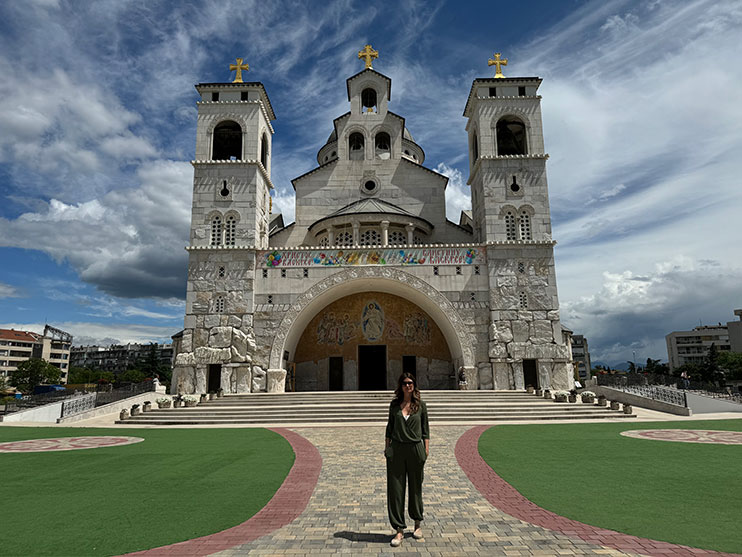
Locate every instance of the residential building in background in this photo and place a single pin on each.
(117, 358)
(18, 346)
(691, 347)
(581, 357)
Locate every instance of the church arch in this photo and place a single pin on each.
(356, 146)
(511, 136)
(231, 218)
(373, 279)
(227, 141)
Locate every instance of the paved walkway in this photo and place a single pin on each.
(347, 512)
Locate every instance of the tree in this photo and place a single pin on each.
(151, 365)
(632, 367)
(731, 364)
(132, 376)
(85, 375)
(34, 372)
(654, 366)
(710, 367)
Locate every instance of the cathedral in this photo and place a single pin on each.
(371, 279)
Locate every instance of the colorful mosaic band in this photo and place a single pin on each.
(351, 257)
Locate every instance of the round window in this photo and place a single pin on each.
(369, 187)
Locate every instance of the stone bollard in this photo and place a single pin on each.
(627, 409)
(212, 396)
(147, 406)
(539, 392)
(204, 397)
(124, 414)
(220, 393)
(135, 410)
(529, 389)
(614, 405)
(547, 393)
(602, 400)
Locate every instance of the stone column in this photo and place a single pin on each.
(385, 233)
(331, 236)
(356, 234)
(410, 233)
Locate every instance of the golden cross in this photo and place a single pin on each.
(497, 62)
(369, 54)
(239, 66)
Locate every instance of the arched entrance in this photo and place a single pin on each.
(372, 279)
(363, 341)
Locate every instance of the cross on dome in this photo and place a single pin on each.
(239, 66)
(369, 54)
(498, 63)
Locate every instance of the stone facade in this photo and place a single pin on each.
(371, 278)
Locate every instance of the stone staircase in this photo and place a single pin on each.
(370, 408)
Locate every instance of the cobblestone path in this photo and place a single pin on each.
(347, 511)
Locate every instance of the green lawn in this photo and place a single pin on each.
(686, 493)
(173, 486)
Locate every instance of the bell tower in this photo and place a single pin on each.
(510, 210)
(229, 224)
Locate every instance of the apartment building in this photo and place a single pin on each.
(117, 358)
(18, 346)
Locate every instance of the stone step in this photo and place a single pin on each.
(140, 420)
(198, 410)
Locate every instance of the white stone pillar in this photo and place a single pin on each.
(385, 233)
(410, 233)
(331, 236)
(356, 234)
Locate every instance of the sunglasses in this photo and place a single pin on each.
(405, 383)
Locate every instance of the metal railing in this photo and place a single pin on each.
(662, 394)
(76, 402)
(124, 392)
(666, 384)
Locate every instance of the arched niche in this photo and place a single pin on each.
(511, 136)
(227, 141)
(356, 146)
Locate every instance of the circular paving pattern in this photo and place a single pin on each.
(66, 444)
(688, 435)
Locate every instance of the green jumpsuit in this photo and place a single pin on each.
(405, 459)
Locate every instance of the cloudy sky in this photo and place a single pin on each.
(641, 111)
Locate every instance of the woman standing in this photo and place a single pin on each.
(407, 447)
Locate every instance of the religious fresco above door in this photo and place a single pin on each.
(378, 256)
(372, 318)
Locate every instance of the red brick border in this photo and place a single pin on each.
(287, 503)
(506, 498)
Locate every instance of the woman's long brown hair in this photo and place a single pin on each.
(399, 393)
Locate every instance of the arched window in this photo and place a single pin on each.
(356, 146)
(344, 239)
(227, 141)
(511, 137)
(397, 238)
(368, 100)
(525, 226)
(511, 232)
(523, 300)
(216, 231)
(264, 151)
(370, 238)
(324, 242)
(383, 145)
(230, 229)
(475, 148)
(219, 304)
(418, 240)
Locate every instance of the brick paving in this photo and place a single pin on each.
(347, 512)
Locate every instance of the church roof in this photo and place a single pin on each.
(371, 207)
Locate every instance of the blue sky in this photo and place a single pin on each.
(641, 120)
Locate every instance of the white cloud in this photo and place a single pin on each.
(458, 197)
(103, 333)
(128, 242)
(9, 291)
